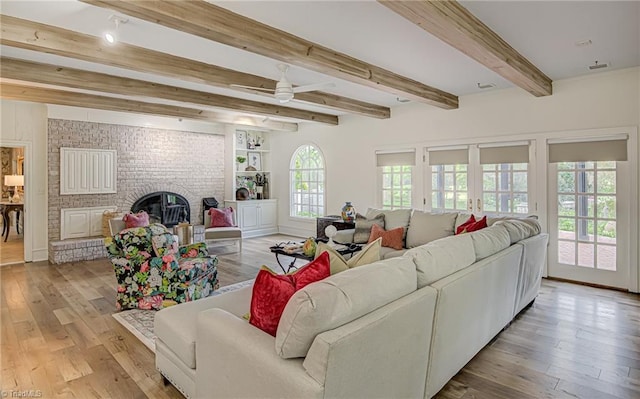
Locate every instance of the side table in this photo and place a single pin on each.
(335, 220)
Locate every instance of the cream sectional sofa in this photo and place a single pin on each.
(400, 327)
(420, 227)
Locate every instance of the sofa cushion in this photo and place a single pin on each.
(338, 300)
(392, 218)
(368, 254)
(363, 228)
(441, 258)
(520, 229)
(425, 227)
(388, 253)
(175, 325)
(487, 242)
(390, 238)
(272, 291)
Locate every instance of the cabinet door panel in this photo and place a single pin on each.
(249, 216)
(268, 214)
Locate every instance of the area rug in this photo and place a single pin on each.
(140, 322)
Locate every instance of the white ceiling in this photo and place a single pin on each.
(545, 32)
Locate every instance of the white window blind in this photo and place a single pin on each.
(504, 154)
(396, 158)
(454, 156)
(602, 150)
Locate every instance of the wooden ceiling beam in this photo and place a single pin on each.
(17, 92)
(20, 33)
(456, 26)
(79, 79)
(212, 22)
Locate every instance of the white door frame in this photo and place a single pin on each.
(27, 231)
(630, 168)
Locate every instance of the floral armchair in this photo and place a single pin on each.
(153, 272)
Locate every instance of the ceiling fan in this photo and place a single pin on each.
(284, 91)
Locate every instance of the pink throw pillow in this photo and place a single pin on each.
(140, 219)
(390, 238)
(221, 217)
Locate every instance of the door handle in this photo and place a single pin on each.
(470, 205)
(479, 205)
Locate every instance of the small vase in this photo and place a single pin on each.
(348, 212)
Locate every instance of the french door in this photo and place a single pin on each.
(491, 179)
(589, 222)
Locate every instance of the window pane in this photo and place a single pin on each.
(606, 257)
(566, 182)
(566, 228)
(448, 181)
(567, 252)
(607, 232)
(461, 200)
(461, 181)
(307, 183)
(586, 254)
(567, 205)
(606, 207)
(489, 181)
(607, 182)
(520, 181)
(489, 200)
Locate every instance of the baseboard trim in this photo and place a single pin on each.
(38, 255)
(606, 287)
(259, 232)
(297, 232)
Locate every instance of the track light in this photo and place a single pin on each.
(111, 36)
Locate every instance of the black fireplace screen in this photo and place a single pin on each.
(164, 207)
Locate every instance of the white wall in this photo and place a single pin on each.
(599, 101)
(25, 124)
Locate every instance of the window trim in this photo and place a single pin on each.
(321, 208)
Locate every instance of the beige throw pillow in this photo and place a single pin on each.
(363, 227)
(368, 254)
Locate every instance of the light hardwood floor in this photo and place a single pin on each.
(12, 251)
(57, 337)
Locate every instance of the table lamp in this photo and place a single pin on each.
(15, 181)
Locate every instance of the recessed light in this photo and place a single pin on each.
(486, 85)
(402, 100)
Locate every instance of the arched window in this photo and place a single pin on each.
(306, 183)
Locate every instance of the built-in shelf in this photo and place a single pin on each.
(258, 157)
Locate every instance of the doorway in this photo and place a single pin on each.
(12, 194)
(591, 211)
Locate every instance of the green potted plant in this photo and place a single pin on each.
(240, 160)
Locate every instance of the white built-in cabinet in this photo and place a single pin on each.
(87, 171)
(256, 217)
(82, 222)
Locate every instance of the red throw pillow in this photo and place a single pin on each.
(463, 227)
(140, 219)
(391, 238)
(272, 291)
(221, 217)
(480, 224)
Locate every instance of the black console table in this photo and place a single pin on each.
(335, 220)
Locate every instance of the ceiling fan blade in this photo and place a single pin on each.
(252, 88)
(313, 87)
